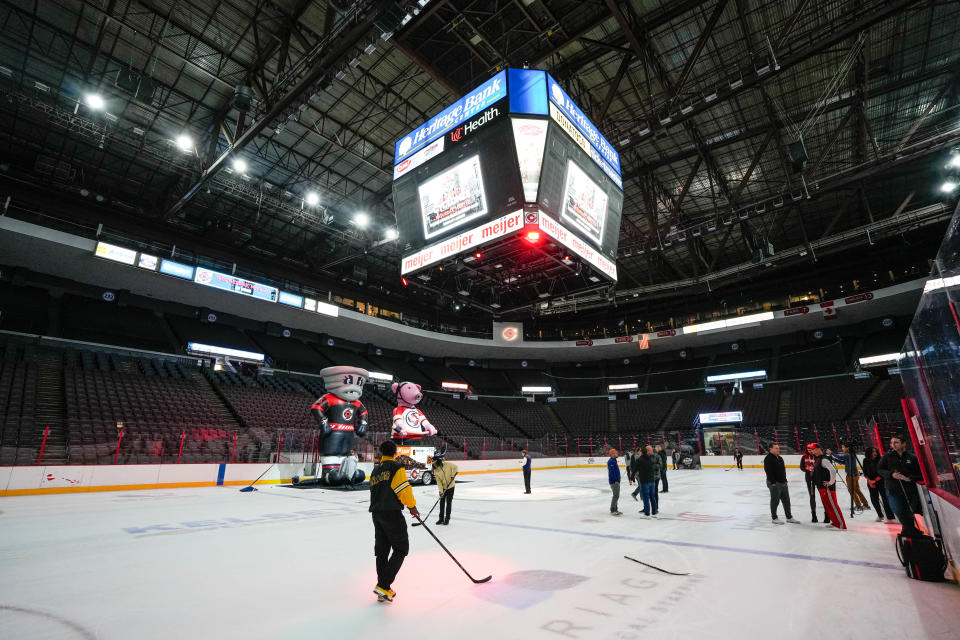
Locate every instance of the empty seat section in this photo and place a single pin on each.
(583, 415)
(643, 414)
(759, 406)
(531, 417)
(827, 400)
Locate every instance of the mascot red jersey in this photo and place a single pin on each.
(408, 421)
(340, 415)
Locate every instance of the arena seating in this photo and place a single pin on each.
(103, 386)
(18, 382)
(826, 400)
(645, 413)
(884, 398)
(691, 404)
(532, 417)
(759, 406)
(583, 415)
(157, 401)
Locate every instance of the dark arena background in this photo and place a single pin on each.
(534, 237)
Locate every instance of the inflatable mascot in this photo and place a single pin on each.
(408, 421)
(340, 415)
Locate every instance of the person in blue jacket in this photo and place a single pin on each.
(613, 475)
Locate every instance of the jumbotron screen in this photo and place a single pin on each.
(465, 176)
(466, 180)
(578, 193)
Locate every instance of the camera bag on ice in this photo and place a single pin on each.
(922, 557)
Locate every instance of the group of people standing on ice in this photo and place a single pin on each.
(891, 479)
(647, 466)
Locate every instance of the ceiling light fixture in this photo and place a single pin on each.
(94, 101)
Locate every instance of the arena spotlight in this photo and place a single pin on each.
(392, 234)
(954, 160)
(94, 101)
(312, 199)
(948, 186)
(240, 165)
(361, 220)
(184, 143)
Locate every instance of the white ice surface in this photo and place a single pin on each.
(295, 564)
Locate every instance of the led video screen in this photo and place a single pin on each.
(471, 181)
(452, 198)
(584, 203)
(577, 192)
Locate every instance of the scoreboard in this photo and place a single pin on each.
(514, 152)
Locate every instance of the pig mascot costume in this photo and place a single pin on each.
(408, 420)
(340, 415)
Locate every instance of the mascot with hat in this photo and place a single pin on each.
(408, 420)
(340, 415)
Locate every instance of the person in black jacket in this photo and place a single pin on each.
(871, 460)
(776, 472)
(825, 478)
(645, 473)
(738, 456)
(807, 463)
(390, 492)
(901, 473)
(663, 467)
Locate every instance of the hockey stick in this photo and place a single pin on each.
(417, 524)
(657, 568)
(432, 535)
(250, 487)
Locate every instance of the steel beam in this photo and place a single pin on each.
(342, 46)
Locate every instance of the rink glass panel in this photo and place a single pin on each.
(930, 368)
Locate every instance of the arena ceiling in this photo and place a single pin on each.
(702, 98)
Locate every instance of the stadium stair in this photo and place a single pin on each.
(612, 408)
(870, 398)
(212, 394)
(669, 417)
(561, 428)
(785, 406)
(49, 410)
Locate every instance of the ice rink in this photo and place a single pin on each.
(297, 564)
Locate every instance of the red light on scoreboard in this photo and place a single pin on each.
(404, 281)
(533, 237)
(477, 255)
